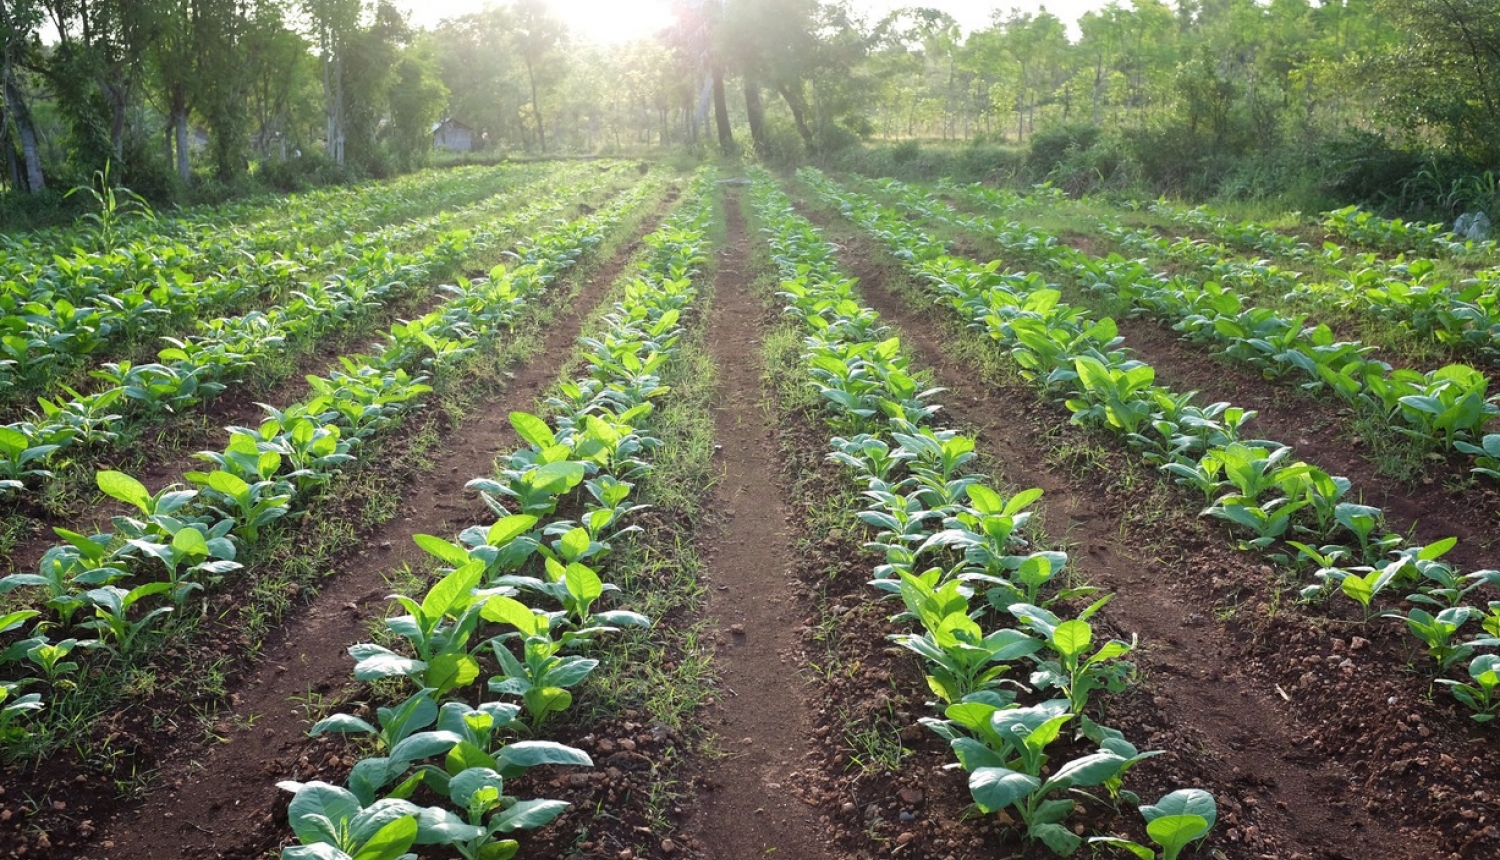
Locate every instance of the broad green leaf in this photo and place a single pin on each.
(986, 500)
(574, 543)
(533, 430)
(528, 815)
(995, 788)
(122, 487)
(501, 850)
(522, 755)
(190, 542)
(1072, 638)
(424, 745)
(558, 478)
(333, 804)
(509, 528)
(1174, 832)
(1057, 837)
(1089, 770)
(451, 671)
(229, 484)
(1186, 801)
(583, 584)
(550, 700)
(441, 549)
(436, 826)
(465, 783)
(391, 841)
(508, 610)
(1021, 500)
(451, 593)
(375, 662)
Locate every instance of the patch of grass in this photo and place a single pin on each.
(1392, 453)
(874, 741)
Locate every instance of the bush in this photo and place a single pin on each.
(20, 211)
(305, 171)
(1051, 146)
(910, 160)
(1103, 164)
(1363, 167)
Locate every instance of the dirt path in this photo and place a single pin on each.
(1224, 729)
(219, 799)
(763, 716)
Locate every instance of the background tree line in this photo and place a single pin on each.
(1392, 100)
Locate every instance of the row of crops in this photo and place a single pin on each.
(489, 618)
(1446, 408)
(101, 597)
(1258, 486)
(980, 600)
(224, 350)
(979, 597)
(480, 657)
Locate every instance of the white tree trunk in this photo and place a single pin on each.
(180, 125)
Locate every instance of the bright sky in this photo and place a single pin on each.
(625, 20)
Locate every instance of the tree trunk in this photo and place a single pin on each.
(180, 126)
(536, 108)
(792, 95)
(757, 114)
(721, 113)
(20, 114)
(118, 96)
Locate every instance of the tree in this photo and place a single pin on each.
(1445, 72)
(540, 38)
(333, 24)
(219, 88)
(696, 36)
(418, 99)
(485, 86)
(278, 71)
(18, 24)
(170, 60)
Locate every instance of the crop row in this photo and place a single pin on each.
(197, 368)
(1400, 236)
(1445, 408)
(1413, 294)
(1391, 235)
(517, 602)
(201, 239)
(179, 540)
(268, 257)
(1288, 509)
(983, 600)
(1408, 294)
(44, 332)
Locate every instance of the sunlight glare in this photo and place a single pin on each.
(613, 21)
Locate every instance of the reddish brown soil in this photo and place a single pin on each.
(216, 795)
(763, 716)
(1310, 732)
